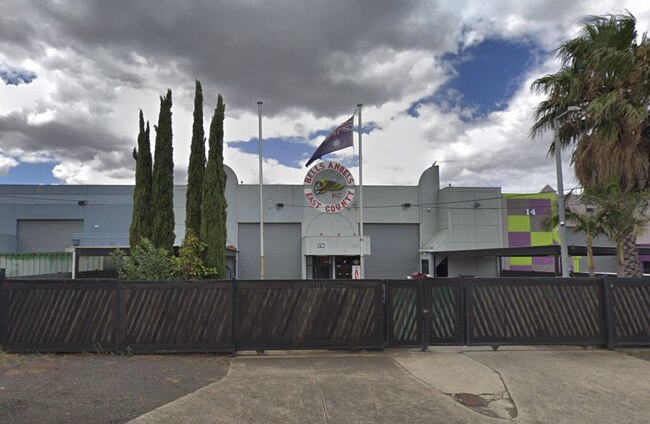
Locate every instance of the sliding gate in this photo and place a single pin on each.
(502, 311)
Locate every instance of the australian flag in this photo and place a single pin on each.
(339, 139)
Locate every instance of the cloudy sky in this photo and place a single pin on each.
(445, 81)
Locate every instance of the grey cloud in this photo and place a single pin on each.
(83, 142)
(281, 52)
(293, 55)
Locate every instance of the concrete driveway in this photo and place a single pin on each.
(445, 385)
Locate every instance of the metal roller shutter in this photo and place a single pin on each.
(282, 251)
(394, 250)
(46, 235)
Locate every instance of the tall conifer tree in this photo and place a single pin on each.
(162, 191)
(196, 169)
(213, 208)
(141, 218)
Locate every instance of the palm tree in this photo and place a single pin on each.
(588, 223)
(605, 73)
(620, 214)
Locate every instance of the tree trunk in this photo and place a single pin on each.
(590, 255)
(631, 263)
(620, 259)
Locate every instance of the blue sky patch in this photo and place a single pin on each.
(287, 150)
(290, 150)
(16, 76)
(31, 173)
(487, 76)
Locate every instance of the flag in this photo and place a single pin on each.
(339, 139)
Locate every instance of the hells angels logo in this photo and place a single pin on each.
(329, 187)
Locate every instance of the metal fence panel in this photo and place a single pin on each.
(109, 315)
(58, 317)
(403, 313)
(443, 301)
(534, 311)
(177, 316)
(305, 314)
(631, 311)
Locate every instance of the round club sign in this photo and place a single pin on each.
(329, 187)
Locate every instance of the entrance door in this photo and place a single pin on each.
(331, 267)
(322, 267)
(343, 266)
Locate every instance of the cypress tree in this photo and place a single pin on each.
(213, 208)
(196, 168)
(141, 218)
(162, 190)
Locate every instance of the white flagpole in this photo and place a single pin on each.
(261, 177)
(362, 261)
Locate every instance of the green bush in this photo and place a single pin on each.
(146, 262)
(188, 265)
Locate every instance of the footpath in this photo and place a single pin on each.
(444, 385)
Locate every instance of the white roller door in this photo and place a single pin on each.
(282, 251)
(46, 235)
(394, 250)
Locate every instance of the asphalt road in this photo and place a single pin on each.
(90, 388)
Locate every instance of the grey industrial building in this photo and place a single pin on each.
(404, 227)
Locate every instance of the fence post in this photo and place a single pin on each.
(426, 312)
(463, 311)
(233, 319)
(117, 316)
(384, 312)
(608, 313)
(466, 312)
(3, 315)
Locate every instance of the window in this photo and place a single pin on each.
(425, 266)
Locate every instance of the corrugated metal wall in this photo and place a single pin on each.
(35, 264)
(282, 251)
(46, 235)
(394, 250)
(27, 264)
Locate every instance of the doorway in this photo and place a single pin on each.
(334, 267)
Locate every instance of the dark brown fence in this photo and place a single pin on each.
(309, 314)
(416, 307)
(178, 316)
(500, 311)
(534, 311)
(213, 316)
(210, 316)
(629, 315)
(54, 316)
(404, 322)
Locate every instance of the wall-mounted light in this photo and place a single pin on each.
(406, 205)
(75, 242)
(82, 202)
(279, 205)
(477, 205)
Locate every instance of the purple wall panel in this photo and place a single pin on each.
(518, 239)
(543, 260)
(521, 267)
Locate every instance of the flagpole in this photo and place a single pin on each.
(362, 261)
(261, 177)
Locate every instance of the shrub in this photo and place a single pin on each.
(146, 262)
(188, 265)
